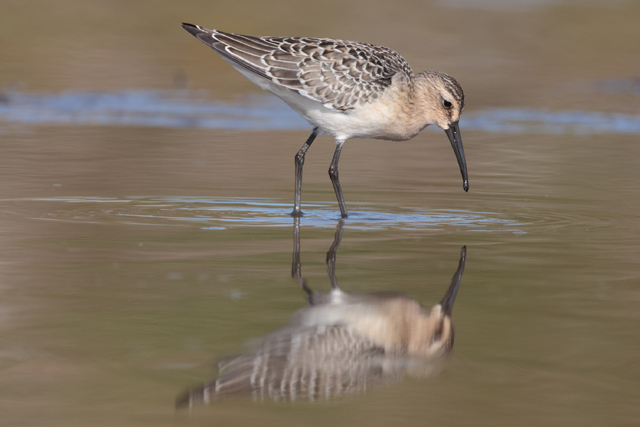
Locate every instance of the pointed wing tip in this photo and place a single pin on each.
(194, 30)
(185, 400)
(188, 398)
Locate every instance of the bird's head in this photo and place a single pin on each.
(444, 104)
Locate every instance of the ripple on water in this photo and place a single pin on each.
(218, 214)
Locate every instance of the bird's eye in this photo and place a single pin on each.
(446, 104)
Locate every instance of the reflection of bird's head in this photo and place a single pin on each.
(432, 333)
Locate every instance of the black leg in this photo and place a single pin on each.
(331, 255)
(297, 210)
(296, 266)
(333, 174)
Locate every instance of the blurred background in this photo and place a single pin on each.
(145, 187)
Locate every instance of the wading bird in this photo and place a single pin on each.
(344, 89)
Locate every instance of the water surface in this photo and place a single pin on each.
(145, 188)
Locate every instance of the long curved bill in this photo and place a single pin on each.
(452, 292)
(456, 142)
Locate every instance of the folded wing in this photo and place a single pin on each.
(337, 73)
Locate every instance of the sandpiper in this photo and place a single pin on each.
(340, 343)
(344, 89)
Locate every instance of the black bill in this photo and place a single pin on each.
(452, 292)
(456, 142)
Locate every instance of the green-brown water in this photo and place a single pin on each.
(134, 256)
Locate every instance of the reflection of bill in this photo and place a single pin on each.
(339, 344)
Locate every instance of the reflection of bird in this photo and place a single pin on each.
(344, 89)
(340, 344)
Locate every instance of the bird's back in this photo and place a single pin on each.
(338, 74)
(302, 363)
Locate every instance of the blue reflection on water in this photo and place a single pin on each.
(223, 213)
(531, 120)
(187, 109)
(154, 108)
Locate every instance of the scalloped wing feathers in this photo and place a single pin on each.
(339, 74)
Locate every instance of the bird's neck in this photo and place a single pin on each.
(424, 99)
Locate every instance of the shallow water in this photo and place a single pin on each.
(145, 189)
(183, 109)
